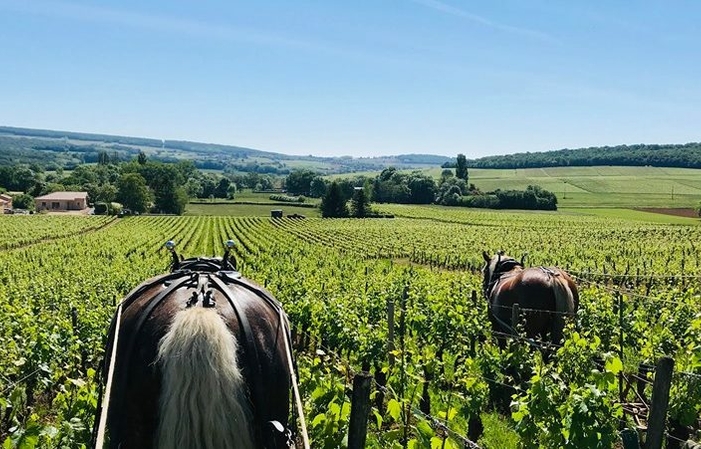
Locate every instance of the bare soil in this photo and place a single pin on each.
(679, 212)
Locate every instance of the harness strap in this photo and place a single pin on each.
(100, 440)
(122, 379)
(295, 389)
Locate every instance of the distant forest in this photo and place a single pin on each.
(684, 156)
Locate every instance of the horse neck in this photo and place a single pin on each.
(497, 276)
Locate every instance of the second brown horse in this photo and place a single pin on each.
(546, 295)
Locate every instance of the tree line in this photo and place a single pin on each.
(681, 156)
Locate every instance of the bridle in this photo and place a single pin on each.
(501, 267)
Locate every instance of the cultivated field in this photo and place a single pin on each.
(605, 186)
(640, 296)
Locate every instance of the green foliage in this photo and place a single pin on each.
(571, 405)
(685, 155)
(23, 201)
(392, 186)
(298, 182)
(133, 192)
(287, 198)
(336, 279)
(498, 433)
(333, 205)
(461, 167)
(360, 204)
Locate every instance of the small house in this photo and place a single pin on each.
(5, 202)
(62, 201)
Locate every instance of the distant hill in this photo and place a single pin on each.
(662, 155)
(66, 149)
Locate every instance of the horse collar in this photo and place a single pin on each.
(499, 272)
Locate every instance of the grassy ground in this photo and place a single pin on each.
(635, 215)
(247, 210)
(498, 433)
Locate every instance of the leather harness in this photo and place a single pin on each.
(188, 273)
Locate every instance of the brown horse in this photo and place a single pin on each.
(545, 295)
(201, 362)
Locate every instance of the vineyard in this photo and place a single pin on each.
(440, 378)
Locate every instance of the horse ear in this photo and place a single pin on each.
(486, 256)
(523, 257)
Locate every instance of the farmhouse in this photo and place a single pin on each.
(62, 201)
(5, 202)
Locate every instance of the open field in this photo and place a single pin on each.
(635, 215)
(247, 210)
(639, 292)
(604, 186)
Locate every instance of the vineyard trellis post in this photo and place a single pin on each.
(360, 410)
(390, 331)
(473, 338)
(619, 297)
(402, 333)
(660, 401)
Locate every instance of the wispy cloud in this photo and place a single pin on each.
(158, 23)
(457, 12)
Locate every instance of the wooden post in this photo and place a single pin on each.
(360, 410)
(366, 280)
(660, 400)
(640, 384)
(515, 316)
(402, 386)
(473, 338)
(620, 350)
(390, 331)
(74, 319)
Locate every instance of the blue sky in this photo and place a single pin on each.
(357, 78)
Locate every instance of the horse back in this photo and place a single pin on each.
(133, 409)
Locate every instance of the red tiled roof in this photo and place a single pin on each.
(63, 196)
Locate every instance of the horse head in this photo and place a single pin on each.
(496, 266)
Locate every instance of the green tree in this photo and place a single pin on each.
(461, 167)
(103, 158)
(446, 173)
(299, 182)
(231, 191)
(133, 192)
(317, 188)
(222, 190)
(141, 158)
(166, 182)
(23, 201)
(423, 188)
(360, 204)
(333, 205)
(171, 199)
